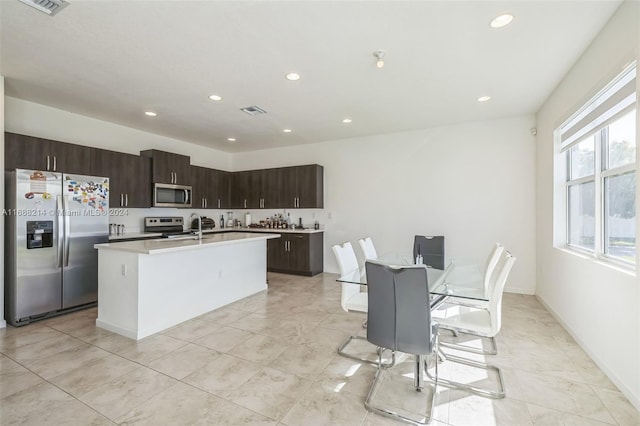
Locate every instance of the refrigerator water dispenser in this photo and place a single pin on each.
(39, 234)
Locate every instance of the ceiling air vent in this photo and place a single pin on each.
(50, 7)
(253, 110)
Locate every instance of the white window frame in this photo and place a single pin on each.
(610, 104)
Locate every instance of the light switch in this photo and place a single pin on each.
(123, 270)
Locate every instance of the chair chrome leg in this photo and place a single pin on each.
(342, 352)
(500, 393)
(491, 351)
(420, 363)
(418, 380)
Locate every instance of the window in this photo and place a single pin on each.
(598, 163)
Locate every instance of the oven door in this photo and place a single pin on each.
(166, 195)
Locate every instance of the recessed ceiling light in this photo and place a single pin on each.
(231, 139)
(287, 130)
(347, 120)
(150, 113)
(484, 98)
(215, 97)
(501, 21)
(293, 76)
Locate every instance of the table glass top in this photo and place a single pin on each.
(441, 282)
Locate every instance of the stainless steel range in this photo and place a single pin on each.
(167, 225)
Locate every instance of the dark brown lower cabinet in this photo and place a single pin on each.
(299, 254)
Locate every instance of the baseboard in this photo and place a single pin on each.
(633, 399)
(131, 334)
(520, 290)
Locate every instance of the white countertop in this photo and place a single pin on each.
(279, 231)
(165, 245)
(130, 235)
(135, 235)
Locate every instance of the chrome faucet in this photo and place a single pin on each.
(197, 216)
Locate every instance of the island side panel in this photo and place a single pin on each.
(177, 286)
(118, 292)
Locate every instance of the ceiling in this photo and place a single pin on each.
(114, 60)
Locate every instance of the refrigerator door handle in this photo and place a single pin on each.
(67, 228)
(60, 238)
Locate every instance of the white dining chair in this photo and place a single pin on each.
(368, 249)
(481, 322)
(472, 273)
(351, 299)
(489, 279)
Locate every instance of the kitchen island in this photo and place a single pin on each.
(147, 286)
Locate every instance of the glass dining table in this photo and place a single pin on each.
(452, 281)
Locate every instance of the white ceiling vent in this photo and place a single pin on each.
(253, 110)
(50, 7)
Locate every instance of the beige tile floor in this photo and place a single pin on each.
(271, 359)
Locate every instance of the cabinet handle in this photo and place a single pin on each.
(54, 164)
(218, 202)
(206, 203)
(176, 173)
(126, 200)
(121, 200)
(245, 204)
(48, 163)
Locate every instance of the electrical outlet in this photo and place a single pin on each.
(123, 270)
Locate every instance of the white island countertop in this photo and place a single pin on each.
(188, 242)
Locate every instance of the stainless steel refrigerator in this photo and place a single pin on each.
(52, 221)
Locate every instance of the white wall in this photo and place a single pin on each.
(473, 183)
(599, 305)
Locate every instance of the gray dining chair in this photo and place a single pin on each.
(431, 248)
(399, 319)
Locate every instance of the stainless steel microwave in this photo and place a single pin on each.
(167, 195)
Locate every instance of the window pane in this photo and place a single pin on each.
(582, 215)
(622, 141)
(620, 216)
(582, 158)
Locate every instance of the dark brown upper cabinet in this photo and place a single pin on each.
(303, 187)
(210, 188)
(129, 177)
(29, 152)
(167, 167)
